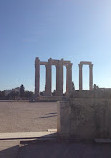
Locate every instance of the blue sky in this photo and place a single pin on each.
(71, 29)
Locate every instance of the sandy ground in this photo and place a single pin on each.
(27, 117)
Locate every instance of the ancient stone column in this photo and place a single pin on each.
(68, 79)
(48, 78)
(91, 76)
(37, 76)
(59, 78)
(80, 76)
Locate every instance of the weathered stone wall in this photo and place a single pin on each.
(98, 93)
(85, 118)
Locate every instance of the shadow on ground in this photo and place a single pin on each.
(11, 152)
(49, 146)
(65, 150)
(49, 115)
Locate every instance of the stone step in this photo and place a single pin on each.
(52, 130)
(26, 135)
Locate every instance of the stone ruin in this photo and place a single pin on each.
(59, 77)
(85, 114)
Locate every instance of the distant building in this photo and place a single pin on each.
(17, 89)
(7, 92)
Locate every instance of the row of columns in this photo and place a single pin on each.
(90, 75)
(59, 77)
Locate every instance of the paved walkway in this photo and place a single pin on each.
(9, 142)
(26, 135)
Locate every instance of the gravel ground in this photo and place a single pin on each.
(27, 117)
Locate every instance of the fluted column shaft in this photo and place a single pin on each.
(80, 77)
(59, 78)
(91, 77)
(37, 76)
(68, 79)
(48, 79)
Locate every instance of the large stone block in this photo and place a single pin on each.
(85, 118)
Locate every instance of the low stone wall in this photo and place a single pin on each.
(98, 93)
(51, 98)
(84, 118)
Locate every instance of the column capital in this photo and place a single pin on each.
(37, 59)
(37, 62)
(61, 61)
(46, 65)
(69, 66)
(50, 60)
(91, 65)
(80, 66)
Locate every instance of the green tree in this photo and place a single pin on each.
(54, 93)
(12, 95)
(28, 94)
(73, 86)
(22, 91)
(2, 95)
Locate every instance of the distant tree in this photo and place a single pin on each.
(73, 87)
(42, 93)
(2, 95)
(28, 94)
(22, 91)
(95, 87)
(73, 90)
(54, 93)
(12, 95)
(64, 94)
